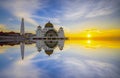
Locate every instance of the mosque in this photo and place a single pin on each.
(49, 32)
(47, 38)
(51, 38)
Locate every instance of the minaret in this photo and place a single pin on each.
(61, 33)
(39, 32)
(22, 27)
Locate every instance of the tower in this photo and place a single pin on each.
(39, 32)
(61, 33)
(22, 27)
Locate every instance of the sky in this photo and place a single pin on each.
(72, 15)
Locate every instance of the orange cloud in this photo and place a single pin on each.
(3, 28)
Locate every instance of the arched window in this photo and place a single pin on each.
(51, 33)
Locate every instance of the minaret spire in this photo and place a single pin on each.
(22, 27)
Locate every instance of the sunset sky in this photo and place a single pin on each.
(89, 49)
(72, 15)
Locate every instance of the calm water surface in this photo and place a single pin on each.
(78, 59)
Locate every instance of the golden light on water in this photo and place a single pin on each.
(88, 41)
(94, 43)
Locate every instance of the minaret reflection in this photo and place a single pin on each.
(49, 45)
(39, 45)
(22, 45)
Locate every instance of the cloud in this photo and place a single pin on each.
(53, 57)
(55, 19)
(2, 49)
(72, 67)
(24, 8)
(104, 7)
(3, 27)
(60, 67)
(23, 69)
(76, 9)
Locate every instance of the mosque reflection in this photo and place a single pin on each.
(47, 45)
(47, 38)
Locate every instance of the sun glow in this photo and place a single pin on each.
(88, 35)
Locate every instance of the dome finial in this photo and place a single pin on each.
(49, 24)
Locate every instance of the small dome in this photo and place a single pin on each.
(49, 52)
(48, 24)
(39, 26)
(61, 28)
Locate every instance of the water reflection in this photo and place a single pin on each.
(22, 45)
(83, 58)
(47, 45)
(95, 44)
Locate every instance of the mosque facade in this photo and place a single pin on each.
(49, 32)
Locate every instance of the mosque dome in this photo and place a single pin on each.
(61, 28)
(49, 52)
(48, 25)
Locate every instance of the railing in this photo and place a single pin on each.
(49, 38)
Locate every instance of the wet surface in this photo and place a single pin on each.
(60, 59)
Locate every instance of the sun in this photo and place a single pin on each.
(88, 35)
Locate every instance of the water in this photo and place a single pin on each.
(72, 59)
